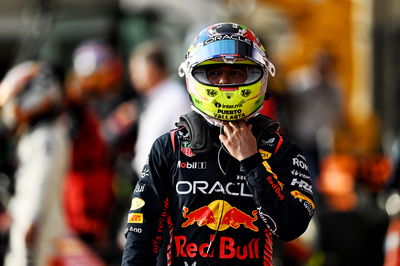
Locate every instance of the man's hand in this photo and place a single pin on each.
(239, 140)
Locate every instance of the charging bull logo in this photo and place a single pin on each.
(234, 217)
(220, 215)
(202, 216)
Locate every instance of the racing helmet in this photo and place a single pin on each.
(28, 90)
(226, 44)
(96, 67)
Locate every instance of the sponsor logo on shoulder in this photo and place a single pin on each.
(307, 202)
(302, 184)
(299, 174)
(273, 180)
(145, 172)
(135, 229)
(264, 154)
(270, 142)
(137, 203)
(139, 188)
(300, 161)
(135, 218)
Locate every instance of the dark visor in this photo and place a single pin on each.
(253, 73)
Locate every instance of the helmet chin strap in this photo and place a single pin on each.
(199, 132)
(199, 129)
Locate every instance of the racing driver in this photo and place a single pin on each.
(218, 187)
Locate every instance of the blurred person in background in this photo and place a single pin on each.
(97, 71)
(91, 90)
(31, 106)
(225, 181)
(164, 99)
(314, 108)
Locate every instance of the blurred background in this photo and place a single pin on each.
(336, 92)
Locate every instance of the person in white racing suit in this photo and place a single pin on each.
(31, 101)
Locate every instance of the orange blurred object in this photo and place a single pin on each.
(337, 181)
(375, 171)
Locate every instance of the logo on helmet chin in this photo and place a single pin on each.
(245, 93)
(211, 93)
(229, 117)
(228, 106)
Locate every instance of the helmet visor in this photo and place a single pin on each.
(227, 74)
(229, 48)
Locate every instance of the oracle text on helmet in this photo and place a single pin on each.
(227, 37)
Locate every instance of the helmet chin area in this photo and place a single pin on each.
(227, 103)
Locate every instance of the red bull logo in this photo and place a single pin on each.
(234, 217)
(228, 248)
(202, 216)
(268, 168)
(220, 215)
(274, 181)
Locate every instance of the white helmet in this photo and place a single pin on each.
(28, 90)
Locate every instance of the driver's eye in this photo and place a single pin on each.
(236, 74)
(213, 74)
(226, 75)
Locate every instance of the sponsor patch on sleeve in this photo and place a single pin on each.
(307, 202)
(264, 154)
(135, 218)
(136, 203)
